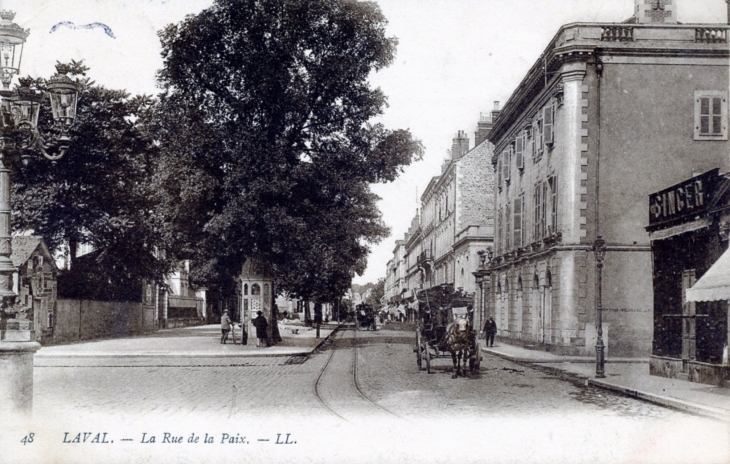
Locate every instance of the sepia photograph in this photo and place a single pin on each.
(364, 231)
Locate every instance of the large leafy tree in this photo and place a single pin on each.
(267, 142)
(99, 193)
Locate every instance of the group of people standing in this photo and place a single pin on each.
(259, 322)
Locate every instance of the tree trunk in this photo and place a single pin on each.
(307, 314)
(274, 334)
(318, 313)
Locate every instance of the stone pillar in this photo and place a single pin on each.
(16, 380)
(570, 135)
(17, 340)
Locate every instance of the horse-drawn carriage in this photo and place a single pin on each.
(446, 326)
(365, 317)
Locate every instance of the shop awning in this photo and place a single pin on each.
(715, 283)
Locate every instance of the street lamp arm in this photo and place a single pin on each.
(43, 147)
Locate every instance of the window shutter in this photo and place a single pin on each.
(505, 165)
(704, 115)
(538, 234)
(543, 216)
(499, 172)
(517, 214)
(508, 226)
(554, 205)
(519, 151)
(716, 116)
(548, 124)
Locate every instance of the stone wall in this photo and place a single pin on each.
(475, 192)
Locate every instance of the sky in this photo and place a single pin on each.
(454, 59)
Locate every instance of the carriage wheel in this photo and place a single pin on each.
(419, 355)
(428, 359)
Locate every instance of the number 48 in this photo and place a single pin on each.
(27, 439)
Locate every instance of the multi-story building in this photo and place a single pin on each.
(456, 218)
(454, 222)
(608, 114)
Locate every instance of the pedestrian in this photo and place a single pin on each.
(490, 330)
(261, 326)
(225, 326)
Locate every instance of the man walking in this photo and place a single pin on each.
(261, 326)
(490, 330)
(225, 326)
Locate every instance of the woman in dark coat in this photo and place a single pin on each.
(261, 326)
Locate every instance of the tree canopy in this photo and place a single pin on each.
(99, 193)
(267, 140)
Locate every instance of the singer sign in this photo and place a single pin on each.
(688, 198)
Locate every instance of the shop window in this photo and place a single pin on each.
(710, 115)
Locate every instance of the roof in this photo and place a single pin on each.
(255, 268)
(715, 283)
(24, 246)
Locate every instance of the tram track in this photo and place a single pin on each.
(354, 369)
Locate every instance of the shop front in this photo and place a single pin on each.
(688, 227)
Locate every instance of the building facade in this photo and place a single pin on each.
(608, 114)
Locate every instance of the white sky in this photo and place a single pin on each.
(455, 57)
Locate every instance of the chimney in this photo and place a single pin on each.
(460, 145)
(484, 127)
(656, 11)
(495, 111)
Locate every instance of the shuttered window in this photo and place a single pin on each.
(508, 227)
(519, 204)
(711, 115)
(548, 125)
(537, 202)
(499, 172)
(554, 204)
(506, 164)
(519, 151)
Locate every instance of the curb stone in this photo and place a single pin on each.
(673, 403)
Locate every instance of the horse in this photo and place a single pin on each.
(459, 339)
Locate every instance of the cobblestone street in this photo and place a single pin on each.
(360, 397)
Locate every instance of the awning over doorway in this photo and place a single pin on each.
(715, 283)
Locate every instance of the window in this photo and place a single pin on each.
(548, 117)
(554, 204)
(519, 151)
(710, 115)
(499, 173)
(499, 230)
(519, 204)
(508, 227)
(506, 164)
(544, 213)
(539, 139)
(537, 203)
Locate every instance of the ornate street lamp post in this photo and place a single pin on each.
(19, 112)
(599, 249)
(483, 280)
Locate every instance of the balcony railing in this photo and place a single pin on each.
(617, 34)
(710, 35)
(424, 256)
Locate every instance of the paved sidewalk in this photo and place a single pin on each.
(630, 377)
(192, 342)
